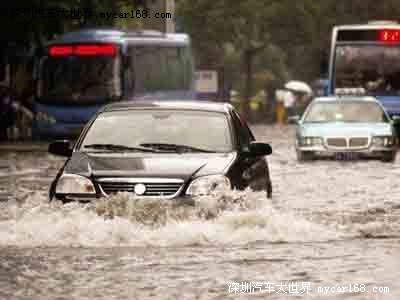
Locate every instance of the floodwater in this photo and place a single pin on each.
(329, 224)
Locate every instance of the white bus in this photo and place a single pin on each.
(365, 60)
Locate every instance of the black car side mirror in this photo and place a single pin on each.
(260, 149)
(395, 119)
(61, 148)
(294, 119)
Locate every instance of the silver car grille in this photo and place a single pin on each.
(336, 142)
(347, 143)
(154, 187)
(358, 142)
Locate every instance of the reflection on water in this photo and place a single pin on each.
(329, 223)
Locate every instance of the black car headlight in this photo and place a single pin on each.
(383, 141)
(75, 184)
(311, 141)
(207, 185)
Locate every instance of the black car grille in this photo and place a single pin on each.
(153, 189)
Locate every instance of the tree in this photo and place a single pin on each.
(250, 27)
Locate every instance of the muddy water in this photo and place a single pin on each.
(329, 224)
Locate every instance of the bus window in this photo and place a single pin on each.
(155, 68)
(189, 67)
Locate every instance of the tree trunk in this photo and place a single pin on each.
(248, 89)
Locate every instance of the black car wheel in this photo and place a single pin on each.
(388, 156)
(305, 155)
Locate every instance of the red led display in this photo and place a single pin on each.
(95, 50)
(389, 35)
(83, 50)
(60, 50)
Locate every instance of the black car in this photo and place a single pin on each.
(161, 150)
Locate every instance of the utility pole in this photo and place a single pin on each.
(161, 16)
(170, 11)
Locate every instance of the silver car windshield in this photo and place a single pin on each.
(207, 131)
(349, 111)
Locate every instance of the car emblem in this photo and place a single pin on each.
(140, 189)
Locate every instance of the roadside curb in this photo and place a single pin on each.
(23, 147)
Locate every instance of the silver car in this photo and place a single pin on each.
(345, 127)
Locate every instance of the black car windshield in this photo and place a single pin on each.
(79, 79)
(193, 131)
(345, 111)
(374, 69)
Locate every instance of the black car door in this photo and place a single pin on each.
(250, 171)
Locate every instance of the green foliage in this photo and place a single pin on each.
(288, 38)
(238, 34)
(283, 38)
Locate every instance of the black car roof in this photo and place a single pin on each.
(169, 104)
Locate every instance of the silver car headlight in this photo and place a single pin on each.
(207, 185)
(74, 184)
(383, 141)
(311, 141)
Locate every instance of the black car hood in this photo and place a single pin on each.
(168, 165)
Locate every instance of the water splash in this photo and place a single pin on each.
(234, 218)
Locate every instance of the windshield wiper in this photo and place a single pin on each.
(116, 147)
(175, 147)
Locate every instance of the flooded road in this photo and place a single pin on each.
(329, 224)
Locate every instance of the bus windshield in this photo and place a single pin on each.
(373, 68)
(159, 68)
(79, 79)
(96, 79)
